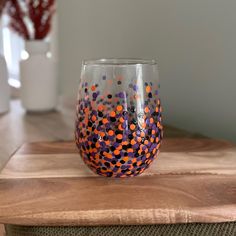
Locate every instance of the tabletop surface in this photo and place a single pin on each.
(46, 183)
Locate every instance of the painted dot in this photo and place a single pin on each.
(100, 107)
(119, 136)
(119, 82)
(121, 95)
(119, 108)
(146, 142)
(112, 114)
(146, 109)
(111, 132)
(93, 87)
(135, 88)
(116, 152)
(121, 119)
(112, 119)
(120, 127)
(132, 142)
(105, 121)
(104, 77)
(142, 134)
(94, 118)
(132, 127)
(148, 89)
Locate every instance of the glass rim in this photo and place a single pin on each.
(119, 61)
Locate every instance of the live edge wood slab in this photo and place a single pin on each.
(193, 180)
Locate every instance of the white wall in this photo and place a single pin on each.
(193, 40)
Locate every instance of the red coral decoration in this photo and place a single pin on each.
(38, 12)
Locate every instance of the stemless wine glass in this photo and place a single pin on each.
(118, 125)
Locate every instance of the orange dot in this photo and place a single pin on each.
(116, 152)
(125, 143)
(118, 164)
(130, 150)
(126, 158)
(111, 132)
(119, 108)
(120, 127)
(133, 142)
(119, 136)
(139, 139)
(121, 119)
(151, 120)
(112, 114)
(144, 125)
(148, 89)
(100, 107)
(132, 126)
(107, 142)
(139, 163)
(157, 109)
(94, 118)
(142, 134)
(108, 155)
(86, 110)
(105, 121)
(146, 109)
(146, 142)
(153, 131)
(93, 87)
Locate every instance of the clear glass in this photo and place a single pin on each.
(119, 124)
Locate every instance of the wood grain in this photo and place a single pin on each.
(192, 184)
(46, 183)
(104, 201)
(178, 156)
(18, 127)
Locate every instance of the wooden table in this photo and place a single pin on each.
(44, 183)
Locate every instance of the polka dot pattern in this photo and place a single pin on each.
(115, 137)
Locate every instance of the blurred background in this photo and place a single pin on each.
(193, 42)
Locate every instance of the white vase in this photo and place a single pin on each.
(39, 88)
(4, 87)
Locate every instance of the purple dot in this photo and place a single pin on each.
(135, 88)
(121, 95)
